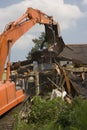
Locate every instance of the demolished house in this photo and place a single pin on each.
(46, 71)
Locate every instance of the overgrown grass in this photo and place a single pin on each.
(55, 115)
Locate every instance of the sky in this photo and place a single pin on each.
(70, 14)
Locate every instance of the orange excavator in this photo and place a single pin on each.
(9, 96)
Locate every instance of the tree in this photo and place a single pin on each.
(38, 42)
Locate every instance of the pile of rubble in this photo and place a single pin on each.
(43, 75)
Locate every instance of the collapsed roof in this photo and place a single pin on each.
(78, 52)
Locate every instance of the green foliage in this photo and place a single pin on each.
(56, 115)
(43, 111)
(37, 44)
(73, 117)
(19, 124)
(82, 115)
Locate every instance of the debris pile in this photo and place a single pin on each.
(47, 72)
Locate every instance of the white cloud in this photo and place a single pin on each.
(24, 42)
(21, 48)
(66, 14)
(85, 2)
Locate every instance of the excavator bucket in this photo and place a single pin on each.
(51, 32)
(52, 37)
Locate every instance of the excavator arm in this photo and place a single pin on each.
(19, 27)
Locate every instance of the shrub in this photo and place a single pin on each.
(55, 115)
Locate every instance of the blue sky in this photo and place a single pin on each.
(70, 14)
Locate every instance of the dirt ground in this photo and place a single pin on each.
(7, 120)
